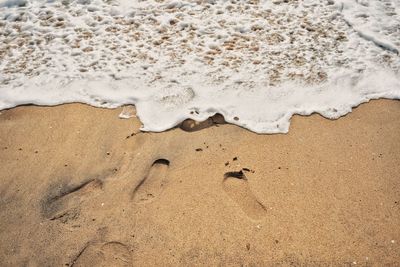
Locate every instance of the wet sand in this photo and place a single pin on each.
(81, 187)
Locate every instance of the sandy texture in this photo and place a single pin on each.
(81, 187)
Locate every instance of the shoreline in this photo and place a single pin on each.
(189, 123)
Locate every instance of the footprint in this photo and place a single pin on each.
(152, 185)
(190, 125)
(64, 205)
(237, 187)
(113, 254)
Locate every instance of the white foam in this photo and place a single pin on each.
(376, 21)
(255, 62)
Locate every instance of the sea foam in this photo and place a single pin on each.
(255, 62)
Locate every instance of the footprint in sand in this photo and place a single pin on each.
(190, 125)
(113, 254)
(152, 185)
(237, 187)
(64, 206)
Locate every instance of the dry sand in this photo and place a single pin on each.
(79, 187)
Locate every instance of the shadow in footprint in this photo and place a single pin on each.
(237, 187)
(152, 185)
(190, 125)
(63, 204)
(104, 254)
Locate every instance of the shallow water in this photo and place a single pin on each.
(255, 62)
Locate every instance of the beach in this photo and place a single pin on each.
(82, 187)
(199, 133)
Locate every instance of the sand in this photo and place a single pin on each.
(81, 187)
